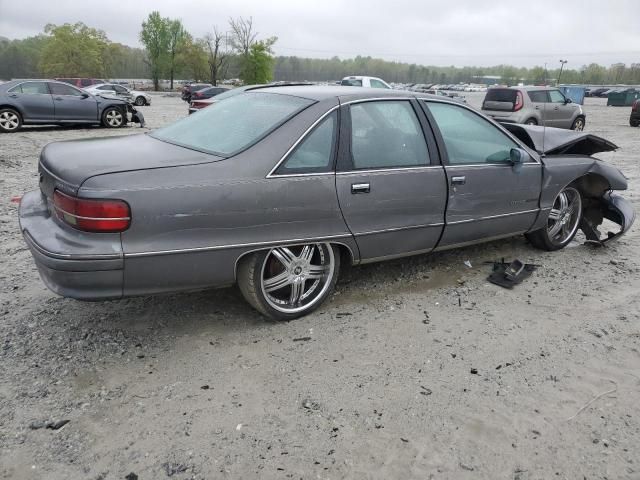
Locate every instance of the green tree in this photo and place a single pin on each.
(193, 58)
(73, 51)
(155, 37)
(177, 36)
(258, 66)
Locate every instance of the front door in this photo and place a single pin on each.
(72, 104)
(391, 186)
(488, 197)
(561, 112)
(34, 100)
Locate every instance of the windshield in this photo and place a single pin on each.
(234, 124)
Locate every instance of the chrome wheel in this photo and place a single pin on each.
(564, 217)
(293, 279)
(578, 124)
(9, 120)
(113, 118)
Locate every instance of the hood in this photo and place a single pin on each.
(558, 141)
(75, 161)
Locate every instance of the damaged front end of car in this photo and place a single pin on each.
(131, 113)
(567, 158)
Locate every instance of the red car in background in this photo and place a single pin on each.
(81, 82)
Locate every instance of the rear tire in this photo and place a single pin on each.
(562, 223)
(113, 117)
(286, 283)
(10, 120)
(578, 124)
(531, 121)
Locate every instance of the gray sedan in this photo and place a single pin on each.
(274, 189)
(50, 102)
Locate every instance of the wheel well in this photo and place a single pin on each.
(12, 107)
(592, 185)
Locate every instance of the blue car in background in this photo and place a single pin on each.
(25, 102)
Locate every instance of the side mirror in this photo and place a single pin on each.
(567, 100)
(85, 95)
(517, 157)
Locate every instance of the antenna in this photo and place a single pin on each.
(544, 112)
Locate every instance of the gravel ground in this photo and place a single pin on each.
(417, 368)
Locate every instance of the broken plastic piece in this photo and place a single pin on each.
(517, 272)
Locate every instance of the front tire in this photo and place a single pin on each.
(634, 123)
(113, 117)
(140, 101)
(578, 124)
(562, 223)
(10, 120)
(286, 283)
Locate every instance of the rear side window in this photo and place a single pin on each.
(539, 96)
(315, 153)
(234, 124)
(469, 138)
(386, 134)
(31, 88)
(351, 82)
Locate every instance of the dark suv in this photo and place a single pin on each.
(533, 106)
(634, 118)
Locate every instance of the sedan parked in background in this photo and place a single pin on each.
(533, 106)
(208, 92)
(24, 102)
(134, 96)
(259, 191)
(188, 90)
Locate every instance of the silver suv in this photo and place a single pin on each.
(533, 106)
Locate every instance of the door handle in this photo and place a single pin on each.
(458, 180)
(14, 95)
(58, 98)
(360, 188)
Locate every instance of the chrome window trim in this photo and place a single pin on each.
(272, 173)
(237, 245)
(491, 217)
(389, 169)
(492, 122)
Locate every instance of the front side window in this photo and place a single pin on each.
(469, 138)
(556, 96)
(64, 89)
(377, 84)
(386, 134)
(119, 89)
(233, 125)
(315, 152)
(31, 88)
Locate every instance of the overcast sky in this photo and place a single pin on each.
(460, 32)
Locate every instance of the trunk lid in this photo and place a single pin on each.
(66, 165)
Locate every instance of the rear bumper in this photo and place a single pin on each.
(71, 263)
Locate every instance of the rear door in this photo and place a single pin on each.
(34, 99)
(73, 104)
(488, 198)
(390, 183)
(539, 102)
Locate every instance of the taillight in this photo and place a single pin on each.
(104, 216)
(634, 106)
(519, 102)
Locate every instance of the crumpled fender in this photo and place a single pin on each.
(612, 207)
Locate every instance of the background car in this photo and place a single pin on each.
(362, 81)
(189, 88)
(634, 118)
(533, 106)
(136, 97)
(81, 82)
(261, 193)
(24, 102)
(208, 93)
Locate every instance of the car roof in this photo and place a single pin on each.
(318, 93)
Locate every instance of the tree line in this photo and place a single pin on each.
(236, 51)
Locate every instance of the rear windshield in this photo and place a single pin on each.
(501, 95)
(232, 125)
(351, 82)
